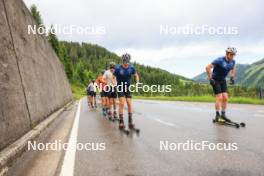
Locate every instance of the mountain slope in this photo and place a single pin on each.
(85, 61)
(254, 75)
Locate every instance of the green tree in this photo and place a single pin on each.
(52, 38)
(36, 15)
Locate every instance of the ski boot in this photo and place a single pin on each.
(109, 113)
(130, 121)
(122, 126)
(131, 125)
(104, 112)
(217, 117)
(223, 117)
(115, 116)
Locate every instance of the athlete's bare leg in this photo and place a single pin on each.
(224, 101)
(121, 111)
(88, 100)
(218, 102)
(93, 101)
(129, 105)
(121, 105)
(114, 106)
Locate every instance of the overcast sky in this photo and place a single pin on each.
(135, 27)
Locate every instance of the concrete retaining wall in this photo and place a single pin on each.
(33, 83)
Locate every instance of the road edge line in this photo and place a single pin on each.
(68, 164)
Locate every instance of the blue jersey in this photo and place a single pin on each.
(123, 75)
(221, 68)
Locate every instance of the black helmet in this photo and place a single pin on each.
(126, 58)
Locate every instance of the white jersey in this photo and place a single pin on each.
(92, 87)
(109, 77)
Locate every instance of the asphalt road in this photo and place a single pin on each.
(174, 122)
(143, 155)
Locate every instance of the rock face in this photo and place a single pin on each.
(33, 83)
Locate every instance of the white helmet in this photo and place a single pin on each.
(231, 50)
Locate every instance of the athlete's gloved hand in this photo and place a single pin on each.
(212, 81)
(232, 80)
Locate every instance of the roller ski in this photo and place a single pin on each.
(122, 127)
(223, 120)
(131, 126)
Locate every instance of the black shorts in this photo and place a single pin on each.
(103, 94)
(219, 87)
(124, 93)
(92, 93)
(112, 93)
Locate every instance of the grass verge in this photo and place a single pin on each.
(207, 98)
(77, 91)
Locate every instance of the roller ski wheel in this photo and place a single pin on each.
(242, 124)
(133, 128)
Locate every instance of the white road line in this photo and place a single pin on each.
(67, 168)
(165, 123)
